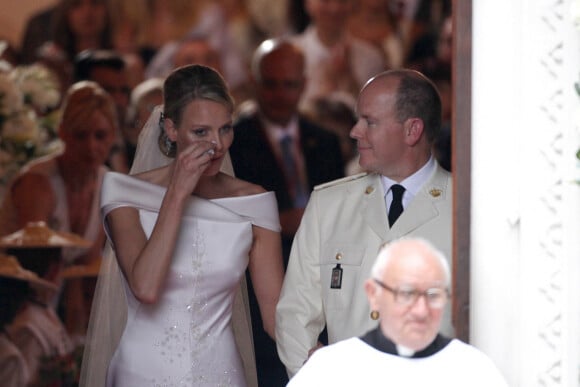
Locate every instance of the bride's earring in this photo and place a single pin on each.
(168, 145)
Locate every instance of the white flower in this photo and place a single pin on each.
(5, 66)
(39, 86)
(54, 147)
(26, 91)
(21, 128)
(11, 100)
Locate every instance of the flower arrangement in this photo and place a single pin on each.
(29, 96)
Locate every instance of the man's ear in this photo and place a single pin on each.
(371, 290)
(413, 128)
(170, 129)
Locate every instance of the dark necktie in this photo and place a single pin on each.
(396, 207)
(299, 193)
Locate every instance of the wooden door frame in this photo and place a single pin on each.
(461, 164)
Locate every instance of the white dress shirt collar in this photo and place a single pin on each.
(276, 132)
(412, 183)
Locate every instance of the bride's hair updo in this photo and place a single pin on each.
(187, 84)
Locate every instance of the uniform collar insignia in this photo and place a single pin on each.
(435, 192)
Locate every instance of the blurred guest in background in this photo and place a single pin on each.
(200, 47)
(37, 31)
(290, 154)
(16, 284)
(334, 59)
(144, 97)
(336, 112)
(63, 190)
(432, 55)
(109, 70)
(37, 329)
(29, 322)
(194, 49)
(283, 151)
(412, 21)
(372, 21)
(77, 25)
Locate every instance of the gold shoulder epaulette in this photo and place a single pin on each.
(340, 181)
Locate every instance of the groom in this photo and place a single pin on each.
(347, 220)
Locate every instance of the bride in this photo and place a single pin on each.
(183, 235)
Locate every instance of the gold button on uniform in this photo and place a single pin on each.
(435, 192)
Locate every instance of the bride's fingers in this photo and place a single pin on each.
(211, 150)
(199, 149)
(197, 156)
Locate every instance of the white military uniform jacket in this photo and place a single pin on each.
(345, 223)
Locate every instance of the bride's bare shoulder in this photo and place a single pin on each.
(158, 176)
(238, 187)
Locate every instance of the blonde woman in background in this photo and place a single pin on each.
(63, 190)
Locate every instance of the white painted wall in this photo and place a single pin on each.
(525, 209)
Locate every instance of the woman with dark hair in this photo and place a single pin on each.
(183, 235)
(82, 24)
(78, 25)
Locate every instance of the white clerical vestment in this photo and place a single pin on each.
(353, 362)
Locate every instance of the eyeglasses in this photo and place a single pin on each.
(436, 297)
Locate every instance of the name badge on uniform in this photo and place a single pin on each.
(336, 278)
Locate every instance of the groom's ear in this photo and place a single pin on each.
(170, 129)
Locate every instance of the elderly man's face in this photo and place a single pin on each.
(413, 325)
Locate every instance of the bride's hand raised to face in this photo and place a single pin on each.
(190, 165)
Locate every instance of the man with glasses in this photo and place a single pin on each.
(408, 288)
(405, 193)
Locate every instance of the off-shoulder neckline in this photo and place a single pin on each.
(163, 188)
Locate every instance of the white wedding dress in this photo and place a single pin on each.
(186, 338)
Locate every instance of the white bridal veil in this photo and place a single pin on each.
(109, 309)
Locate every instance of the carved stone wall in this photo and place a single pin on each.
(526, 206)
